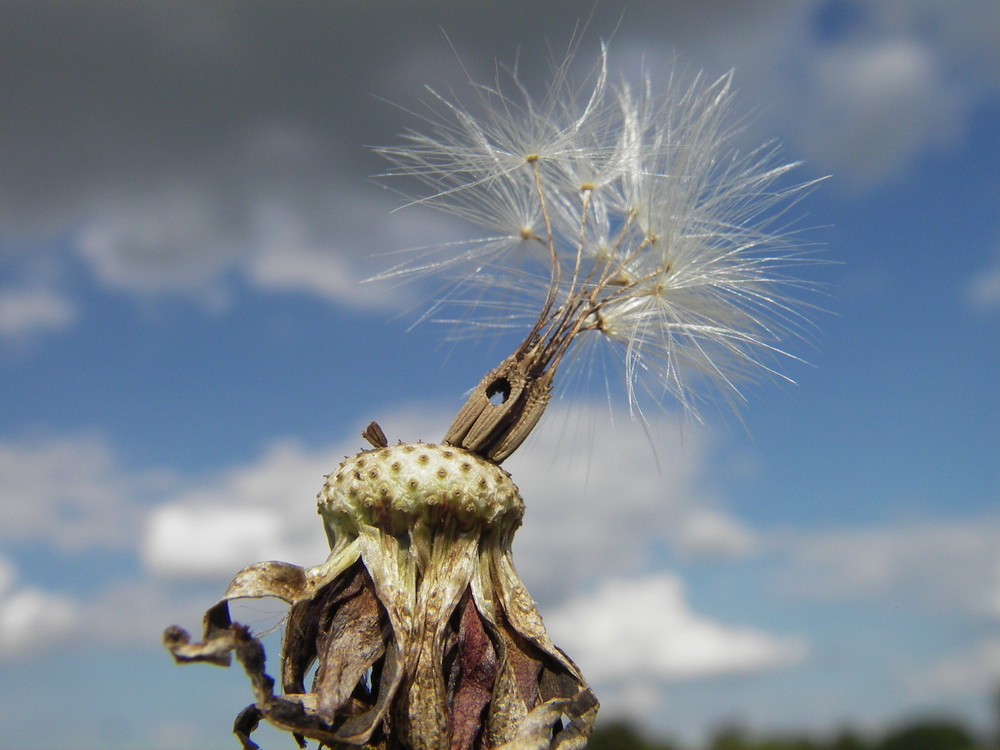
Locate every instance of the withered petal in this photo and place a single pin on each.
(525, 666)
(359, 729)
(298, 652)
(299, 714)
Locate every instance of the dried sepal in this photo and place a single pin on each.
(504, 407)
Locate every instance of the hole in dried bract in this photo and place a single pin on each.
(498, 391)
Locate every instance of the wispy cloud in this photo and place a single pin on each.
(30, 310)
(983, 291)
(70, 492)
(878, 103)
(971, 670)
(943, 565)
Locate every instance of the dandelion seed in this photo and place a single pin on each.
(651, 231)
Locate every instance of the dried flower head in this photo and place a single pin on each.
(632, 217)
(423, 634)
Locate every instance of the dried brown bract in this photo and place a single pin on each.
(422, 633)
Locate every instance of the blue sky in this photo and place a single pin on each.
(186, 350)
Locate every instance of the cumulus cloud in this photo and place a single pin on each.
(31, 620)
(171, 237)
(711, 532)
(70, 492)
(263, 511)
(291, 249)
(312, 238)
(962, 36)
(642, 630)
(29, 310)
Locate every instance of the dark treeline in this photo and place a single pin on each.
(923, 734)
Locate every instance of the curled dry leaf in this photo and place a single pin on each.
(422, 633)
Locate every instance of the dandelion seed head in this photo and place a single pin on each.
(628, 216)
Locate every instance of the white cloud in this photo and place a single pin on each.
(31, 620)
(600, 500)
(313, 238)
(292, 250)
(29, 310)
(262, 511)
(710, 532)
(983, 291)
(875, 103)
(291, 266)
(70, 492)
(892, 82)
(164, 237)
(209, 540)
(642, 630)
(962, 35)
(941, 565)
